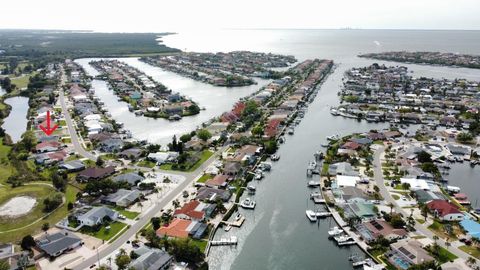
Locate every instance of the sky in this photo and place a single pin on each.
(177, 15)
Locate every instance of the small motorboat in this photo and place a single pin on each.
(313, 183)
(248, 204)
(311, 215)
(335, 231)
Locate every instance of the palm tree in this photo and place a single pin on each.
(424, 209)
(471, 261)
(391, 205)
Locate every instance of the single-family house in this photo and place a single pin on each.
(56, 244)
(122, 197)
(96, 216)
(445, 211)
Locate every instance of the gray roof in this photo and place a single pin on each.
(97, 214)
(151, 259)
(73, 165)
(58, 242)
(342, 168)
(123, 195)
(130, 178)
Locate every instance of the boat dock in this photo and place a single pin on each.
(232, 241)
(236, 223)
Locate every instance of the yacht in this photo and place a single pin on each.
(248, 204)
(251, 189)
(334, 111)
(311, 215)
(274, 157)
(335, 231)
(342, 238)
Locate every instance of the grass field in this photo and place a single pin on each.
(34, 228)
(444, 255)
(201, 244)
(473, 251)
(6, 169)
(126, 213)
(104, 233)
(146, 164)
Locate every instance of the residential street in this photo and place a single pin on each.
(421, 228)
(145, 217)
(71, 129)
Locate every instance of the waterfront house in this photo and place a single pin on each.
(163, 157)
(346, 181)
(131, 153)
(406, 253)
(56, 244)
(445, 211)
(211, 194)
(342, 168)
(95, 173)
(111, 145)
(151, 259)
(371, 230)
(179, 228)
(218, 181)
(194, 210)
(360, 208)
(232, 168)
(96, 216)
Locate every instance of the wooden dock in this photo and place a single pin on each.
(232, 241)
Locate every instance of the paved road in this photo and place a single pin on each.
(145, 218)
(378, 175)
(73, 133)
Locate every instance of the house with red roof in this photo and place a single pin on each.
(271, 129)
(47, 146)
(351, 145)
(219, 180)
(444, 210)
(194, 210)
(179, 228)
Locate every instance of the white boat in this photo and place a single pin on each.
(315, 194)
(238, 217)
(334, 111)
(311, 215)
(333, 137)
(258, 176)
(274, 157)
(251, 189)
(248, 204)
(313, 183)
(335, 231)
(291, 131)
(342, 238)
(228, 227)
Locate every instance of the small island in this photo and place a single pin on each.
(223, 69)
(430, 58)
(143, 94)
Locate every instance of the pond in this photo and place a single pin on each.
(16, 122)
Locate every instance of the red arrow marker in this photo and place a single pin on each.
(48, 130)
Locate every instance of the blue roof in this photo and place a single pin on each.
(472, 227)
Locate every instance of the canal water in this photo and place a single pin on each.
(16, 122)
(277, 235)
(215, 100)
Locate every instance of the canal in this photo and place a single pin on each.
(277, 235)
(215, 100)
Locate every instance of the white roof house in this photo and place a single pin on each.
(416, 184)
(347, 181)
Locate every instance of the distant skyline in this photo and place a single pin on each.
(174, 16)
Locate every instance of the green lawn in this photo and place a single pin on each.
(204, 156)
(395, 197)
(204, 178)
(103, 233)
(126, 213)
(201, 244)
(6, 169)
(146, 163)
(473, 251)
(31, 221)
(439, 230)
(444, 255)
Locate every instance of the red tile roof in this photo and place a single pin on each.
(218, 180)
(189, 210)
(442, 207)
(176, 228)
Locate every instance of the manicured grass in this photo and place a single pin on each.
(439, 230)
(6, 169)
(126, 213)
(444, 255)
(473, 251)
(62, 123)
(420, 220)
(146, 163)
(204, 178)
(35, 228)
(201, 244)
(395, 197)
(204, 156)
(103, 233)
(66, 140)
